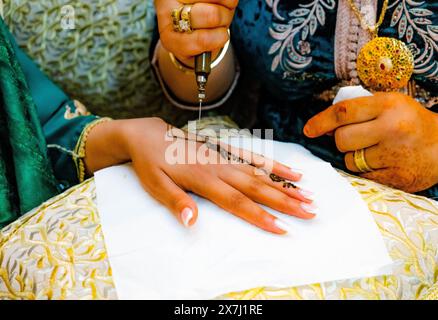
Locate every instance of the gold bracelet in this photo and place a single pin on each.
(189, 70)
(80, 147)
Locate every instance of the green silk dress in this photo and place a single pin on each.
(40, 127)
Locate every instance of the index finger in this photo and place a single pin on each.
(346, 112)
(230, 4)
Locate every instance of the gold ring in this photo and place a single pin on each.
(185, 23)
(176, 17)
(360, 161)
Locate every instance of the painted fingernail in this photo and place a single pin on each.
(309, 207)
(306, 193)
(186, 216)
(282, 225)
(298, 172)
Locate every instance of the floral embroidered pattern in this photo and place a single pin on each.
(57, 251)
(292, 50)
(411, 19)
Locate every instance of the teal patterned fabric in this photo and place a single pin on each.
(103, 62)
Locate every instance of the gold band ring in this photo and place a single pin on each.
(360, 161)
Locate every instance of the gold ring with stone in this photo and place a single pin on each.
(176, 18)
(185, 22)
(360, 161)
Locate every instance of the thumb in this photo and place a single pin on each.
(163, 189)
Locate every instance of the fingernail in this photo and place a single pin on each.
(186, 216)
(282, 225)
(306, 130)
(306, 193)
(309, 207)
(298, 173)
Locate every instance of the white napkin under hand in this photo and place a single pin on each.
(154, 257)
(351, 92)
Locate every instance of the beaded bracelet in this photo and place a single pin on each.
(80, 147)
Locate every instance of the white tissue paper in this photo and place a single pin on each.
(153, 257)
(351, 92)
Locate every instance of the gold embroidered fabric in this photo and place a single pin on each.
(57, 251)
(432, 293)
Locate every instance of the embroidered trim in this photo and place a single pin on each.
(80, 147)
(350, 37)
(62, 149)
(411, 19)
(292, 49)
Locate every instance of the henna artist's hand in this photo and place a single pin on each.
(399, 135)
(210, 21)
(234, 187)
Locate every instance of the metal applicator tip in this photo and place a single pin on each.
(202, 71)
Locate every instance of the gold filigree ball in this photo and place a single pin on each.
(385, 64)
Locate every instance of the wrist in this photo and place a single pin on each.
(187, 65)
(163, 53)
(106, 146)
(180, 87)
(132, 133)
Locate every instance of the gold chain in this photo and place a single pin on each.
(374, 30)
